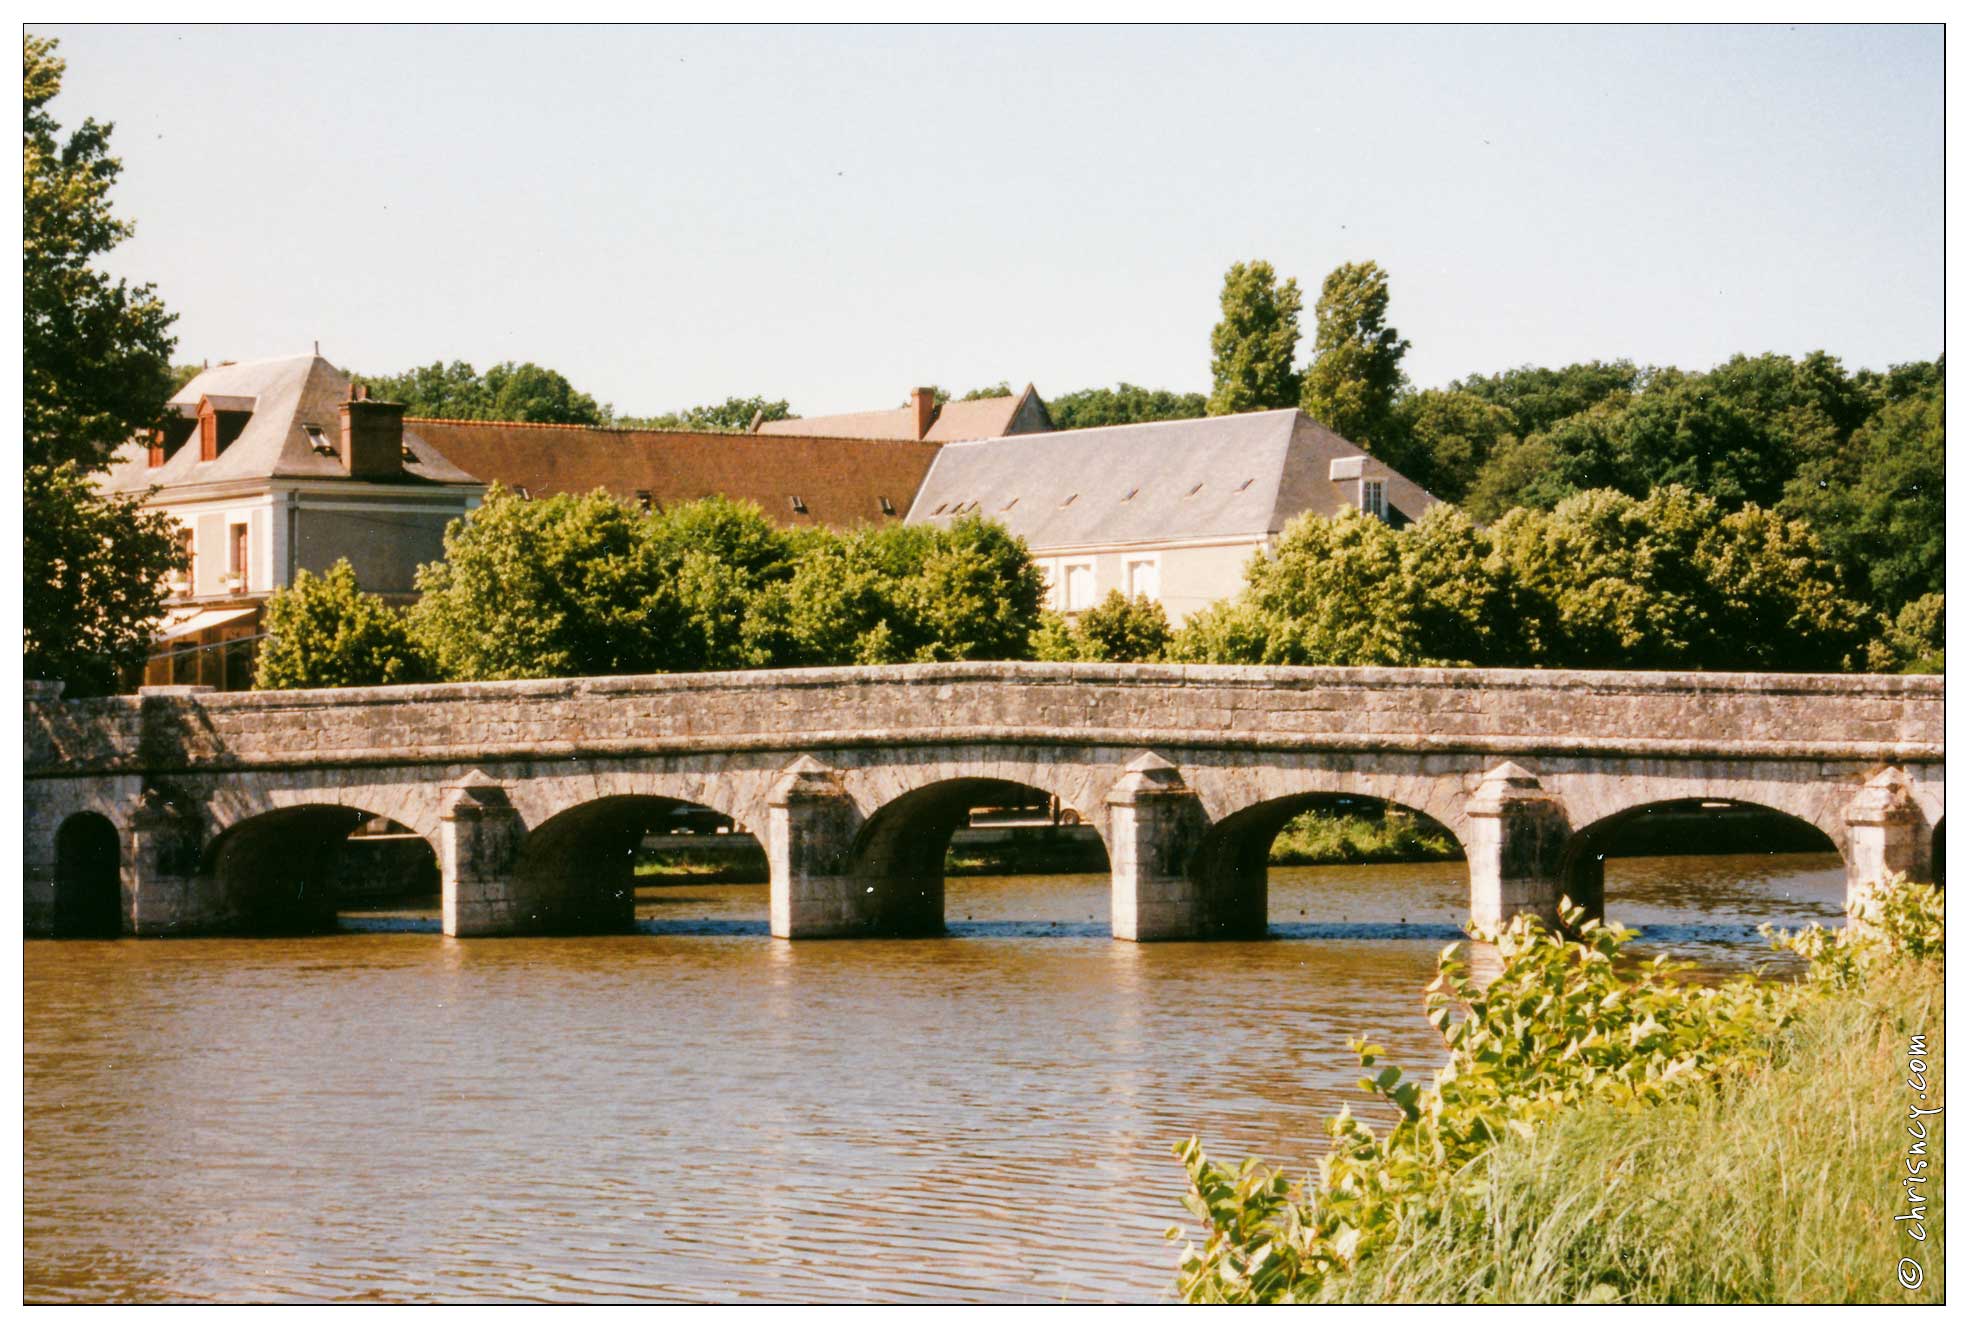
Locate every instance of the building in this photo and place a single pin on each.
(923, 419)
(797, 480)
(271, 467)
(1172, 510)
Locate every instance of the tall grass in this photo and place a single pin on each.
(1780, 1186)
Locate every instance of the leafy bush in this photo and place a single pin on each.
(1118, 629)
(1565, 1023)
(324, 632)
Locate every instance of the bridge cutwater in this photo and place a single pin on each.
(186, 808)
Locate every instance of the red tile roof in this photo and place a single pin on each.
(838, 481)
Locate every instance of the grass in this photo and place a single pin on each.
(1324, 837)
(1778, 1188)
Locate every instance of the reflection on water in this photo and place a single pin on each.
(700, 1111)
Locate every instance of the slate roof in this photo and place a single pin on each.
(284, 395)
(839, 481)
(985, 417)
(1228, 475)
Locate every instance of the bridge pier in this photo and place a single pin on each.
(810, 834)
(1155, 825)
(164, 893)
(1516, 847)
(479, 835)
(1886, 834)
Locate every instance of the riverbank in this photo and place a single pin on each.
(1611, 1132)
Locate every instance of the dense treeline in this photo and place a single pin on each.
(581, 585)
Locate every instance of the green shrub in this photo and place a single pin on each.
(1566, 1024)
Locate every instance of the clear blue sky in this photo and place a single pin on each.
(669, 216)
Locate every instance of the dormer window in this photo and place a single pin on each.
(220, 421)
(1241, 488)
(1129, 497)
(799, 504)
(1009, 506)
(1195, 489)
(645, 501)
(888, 508)
(319, 440)
(1069, 500)
(940, 508)
(1374, 499)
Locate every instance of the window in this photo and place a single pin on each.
(799, 504)
(1195, 489)
(1144, 577)
(1009, 506)
(1129, 497)
(236, 559)
(1374, 500)
(1241, 488)
(645, 502)
(888, 508)
(181, 576)
(1080, 585)
(1068, 501)
(318, 440)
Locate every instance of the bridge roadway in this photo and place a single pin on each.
(187, 811)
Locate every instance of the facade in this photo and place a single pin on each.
(796, 480)
(273, 467)
(1172, 510)
(923, 419)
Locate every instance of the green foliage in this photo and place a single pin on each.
(1539, 398)
(1912, 642)
(1252, 347)
(1356, 371)
(1119, 629)
(569, 585)
(507, 391)
(1350, 589)
(96, 352)
(585, 585)
(1568, 1029)
(1394, 837)
(734, 415)
(999, 389)
(1878, 502)
(1672, 581)
(1441, 439)
(325, 632)
(95, 583)
(1892, 923)
(1123, 404)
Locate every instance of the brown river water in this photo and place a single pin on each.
(701, 1112)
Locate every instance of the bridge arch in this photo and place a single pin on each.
(576, 871)
(898, 852)
(1231, 867)
(277, 872)
(88, 877)
(1680, 822)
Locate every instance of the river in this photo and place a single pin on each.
(701, 1112)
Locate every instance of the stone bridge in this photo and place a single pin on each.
(188, 811)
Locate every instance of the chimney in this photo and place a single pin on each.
(372, 436)
(925, 402)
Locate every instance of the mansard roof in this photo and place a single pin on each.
(284, 396)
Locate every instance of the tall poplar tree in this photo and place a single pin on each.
(1252, 347)
(1357, 358)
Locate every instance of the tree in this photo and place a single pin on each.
(1356, 371)
(1123, 404)
(976, 596)
(1119, 629)
(999, 389)
(325, 632)
(563, 586)
(507, 391)
(95, 583)
(1440, 438)
(734, 415)
(96, 352)
(1252, 347)
(1540, 398)
(1878, 503)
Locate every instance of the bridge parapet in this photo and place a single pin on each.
(1510, 713)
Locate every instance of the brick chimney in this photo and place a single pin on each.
(372, 436)
(925, 402)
